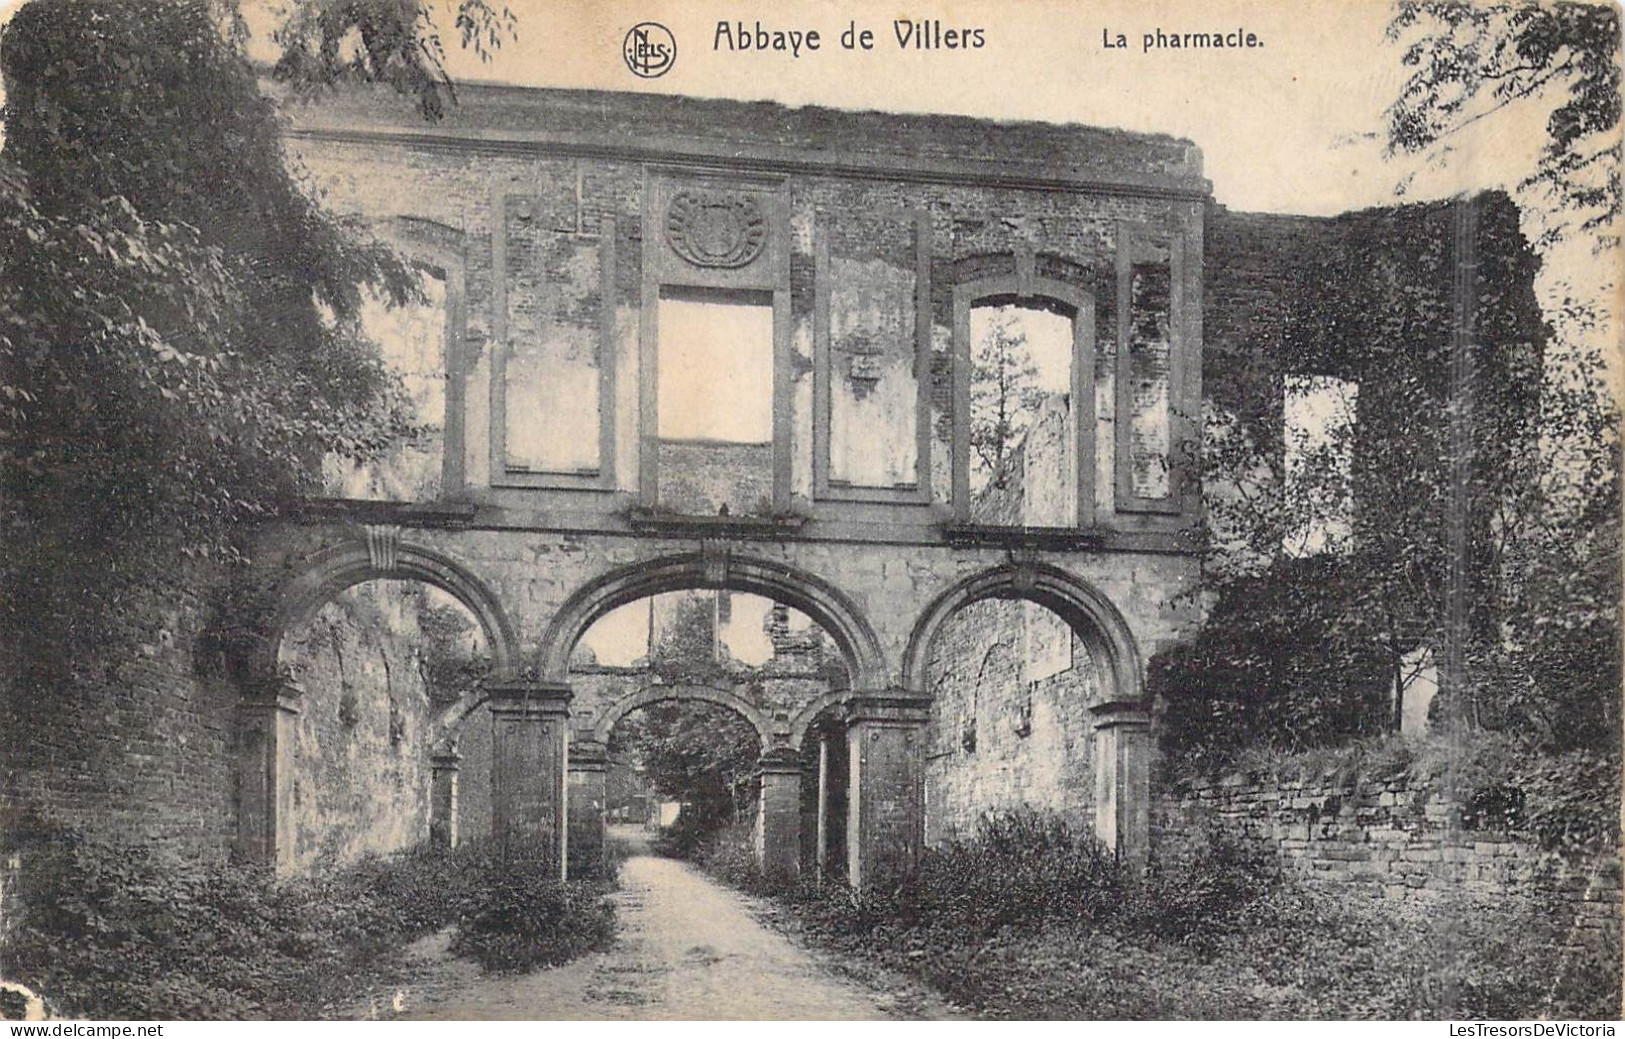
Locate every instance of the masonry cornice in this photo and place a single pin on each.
(735, 157)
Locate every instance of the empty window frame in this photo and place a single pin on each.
(714, 401)
(1318, 414)
(1024, 404)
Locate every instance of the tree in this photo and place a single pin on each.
(179, 323)
(1004, 394)
(1556, 671)
(697, 753)
(1473, 60)
(398, 42)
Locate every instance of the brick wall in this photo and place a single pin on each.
(139, 744)
(1392, 836)
(700, 477)
(1000, 737)
(835, 133)
(552, 282)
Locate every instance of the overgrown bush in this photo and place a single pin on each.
(527, 918)
(117, 930)
(729, 854)
(1028, 918)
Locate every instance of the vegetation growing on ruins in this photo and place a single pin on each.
(1031, 919)
(1306, 648)
(1004, 396)
(118, 931)
(179, 322)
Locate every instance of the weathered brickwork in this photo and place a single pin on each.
(546, 313)
(708, 478)
(1392, 837)
(1010, 683)
(143, 747)
(554, 225)
(1005, 733)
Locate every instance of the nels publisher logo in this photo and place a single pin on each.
(649, 50)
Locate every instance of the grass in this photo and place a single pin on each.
(118, 931)
(1029, 920)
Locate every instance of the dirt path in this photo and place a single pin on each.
(688, 949)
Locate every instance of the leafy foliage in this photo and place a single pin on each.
(700, 754)
(1470, 61)
(180, 340)
(395, 42)
(1028, 920)
(115, 930)
(523, 920)
(453, 663)
(1004, 395)
(1300, 645)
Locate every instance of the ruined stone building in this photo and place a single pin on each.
(672, 344)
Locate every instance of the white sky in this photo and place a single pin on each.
(1280, 126)
(621, 637)
(716, 371)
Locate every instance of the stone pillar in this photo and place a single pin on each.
(589, 768)
(527, 767)
(821, 846)
(443, 766)
(265, 768)
(885, 795)
(1123, 779)
(778, 818)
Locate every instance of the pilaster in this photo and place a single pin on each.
(885, 797)
(265, 736)
(587, 795)
(1123, 778)
(529, 721)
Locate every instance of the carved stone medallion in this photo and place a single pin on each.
(716, 228)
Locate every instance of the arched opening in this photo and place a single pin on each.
(705, 648)
(820, 737)
(681, 772)
(1023, 464)
(375, 665)
(1025, 430)
(1032, 677)
(289, 694)
(822, 603)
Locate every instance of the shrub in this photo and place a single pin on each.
(1027, 918)
(729, 854)
(525, 918)
(689, 834)
(115, 930)
(1217, 893)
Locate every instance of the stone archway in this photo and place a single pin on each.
(828, 606)
(721, 696)
(271, 702)
(717, 567)
(778, 819)
(383, 555)
(1120, 721)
